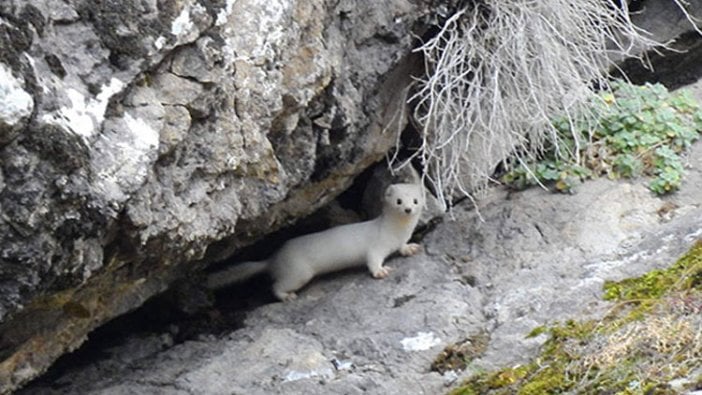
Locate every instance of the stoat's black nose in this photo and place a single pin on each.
(408, 210)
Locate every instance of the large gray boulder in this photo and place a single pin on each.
(140, 140)
(527, 259)
(486, 279)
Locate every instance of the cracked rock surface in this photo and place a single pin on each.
(535, 257)
(142, 139)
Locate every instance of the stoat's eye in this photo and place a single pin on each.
(416, 201)
(399, 202)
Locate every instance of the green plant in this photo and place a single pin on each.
(630, 130)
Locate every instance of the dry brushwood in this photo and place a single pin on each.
(498, 72)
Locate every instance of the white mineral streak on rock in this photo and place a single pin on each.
(223, 15)
(295, 375)
(125, 158)
(182, 24)
(85, 115)
(160, 42)
(145, 137)
(15, 103)
(423, 341)
(264, 30)
(185, 27)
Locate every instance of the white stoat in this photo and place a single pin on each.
(341, 247)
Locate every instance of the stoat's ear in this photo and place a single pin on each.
(389, 191)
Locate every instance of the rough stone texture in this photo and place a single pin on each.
(143, 139)
(141, 133)
(535, 257)
(666, 23)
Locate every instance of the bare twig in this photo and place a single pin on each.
(498, 72)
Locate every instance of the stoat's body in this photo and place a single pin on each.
(341, 247)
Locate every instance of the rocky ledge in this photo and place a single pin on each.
(489, 277)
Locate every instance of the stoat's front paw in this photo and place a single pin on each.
(382, 272)
(289, 297)
(285, 296)
(410, 249)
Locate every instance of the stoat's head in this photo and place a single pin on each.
(403, 199)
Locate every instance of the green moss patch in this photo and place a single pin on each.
(685, 274)
(649, 343)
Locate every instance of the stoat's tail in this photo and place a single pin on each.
(235, 273)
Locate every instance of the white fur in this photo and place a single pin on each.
(341, 247)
